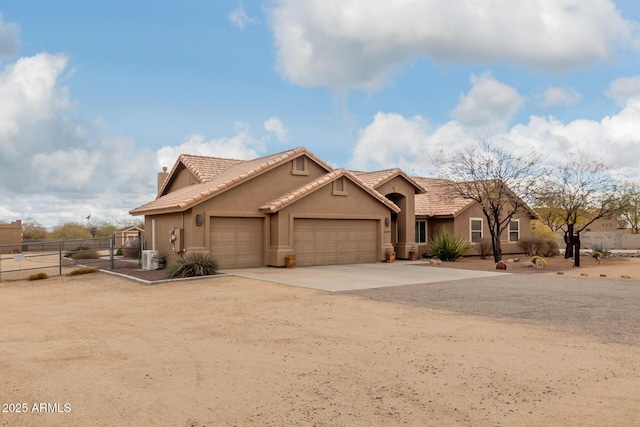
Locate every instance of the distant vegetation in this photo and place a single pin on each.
(33, 230)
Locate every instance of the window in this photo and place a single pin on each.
(299, 166)
(421, 231)
(514, 230)
(476, 229)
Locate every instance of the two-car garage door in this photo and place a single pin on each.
(335, 241)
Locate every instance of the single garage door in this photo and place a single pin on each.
(335, 241)
(236, 242)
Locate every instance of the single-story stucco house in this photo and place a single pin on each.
(257, 212)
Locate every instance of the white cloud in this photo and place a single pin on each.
(392, 140)
(488, 102)
(275, 125)
(8, 39)
(558, 96)
(624, 89)
(54, 165)
(239, 18)
(240, 146)
(344, 44)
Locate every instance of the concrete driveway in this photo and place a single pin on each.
(351, 277)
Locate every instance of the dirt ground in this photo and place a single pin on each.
(613, 268)
(102, 350)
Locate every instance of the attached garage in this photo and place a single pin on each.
(236, 242)
(335, 241)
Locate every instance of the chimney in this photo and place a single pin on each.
(162, 176)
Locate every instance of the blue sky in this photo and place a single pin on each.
(96, 96)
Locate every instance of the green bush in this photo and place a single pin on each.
(119, 252)
(448, 247)
(192, 265)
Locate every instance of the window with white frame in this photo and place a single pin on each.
(421, 231)
(475, 227)
(514, 230)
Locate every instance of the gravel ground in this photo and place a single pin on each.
(607, 309)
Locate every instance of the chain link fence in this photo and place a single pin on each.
(58, 257)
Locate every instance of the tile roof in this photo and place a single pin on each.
(375, 178)
(292, 196)
(236, 173)
(205, 168)
(439, 200)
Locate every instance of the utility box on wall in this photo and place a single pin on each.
(175, 238)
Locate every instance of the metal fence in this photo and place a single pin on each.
(58, 257)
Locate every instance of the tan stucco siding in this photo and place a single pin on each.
(180, 179)
(402, 193)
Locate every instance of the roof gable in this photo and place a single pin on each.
(375, 179)
(297, 194)
(217, 177)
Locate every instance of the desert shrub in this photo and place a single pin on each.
(533, 245)
(82, 270)
(192, 265)
(604, 251)
(82, 252)
(448, 247)
(119, 252)
(484, 247)
(38, 276)
(552, 247)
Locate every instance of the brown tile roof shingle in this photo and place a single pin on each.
(439, 200)
(376, 178)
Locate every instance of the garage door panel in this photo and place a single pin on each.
(236, 242)
(335, 241)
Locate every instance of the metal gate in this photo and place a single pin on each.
(58, 257)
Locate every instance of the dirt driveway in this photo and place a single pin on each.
(102, 350)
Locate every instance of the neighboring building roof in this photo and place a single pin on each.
(295, 195)
(213, 183)
(439, 200)
(376, 178)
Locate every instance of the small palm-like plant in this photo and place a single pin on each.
(448, 247)
(192, 265)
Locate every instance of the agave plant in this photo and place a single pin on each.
(192, 265)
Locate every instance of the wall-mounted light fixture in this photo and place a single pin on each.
(199, 220)
(386, 222)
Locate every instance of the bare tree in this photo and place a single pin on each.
(33, 230)
(497, 180)
(572, 198)
(628, 196)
